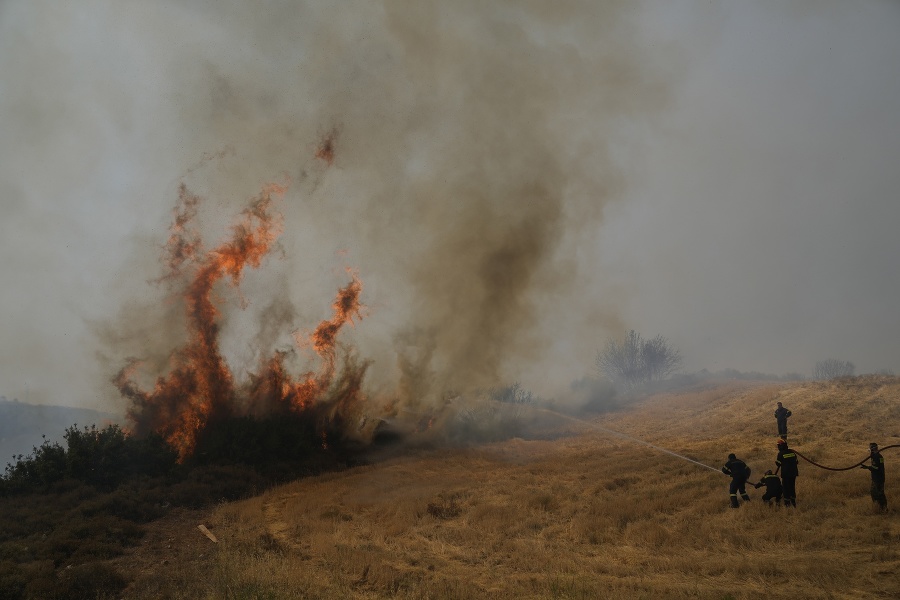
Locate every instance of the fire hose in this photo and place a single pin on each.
(812, 462)
(646, 443)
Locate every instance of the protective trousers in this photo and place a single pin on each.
(737, 487)
(769, 496)
(878, 493)
(790, 489)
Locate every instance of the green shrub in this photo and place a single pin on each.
(103, 458)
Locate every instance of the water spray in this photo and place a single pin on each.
(628, 437)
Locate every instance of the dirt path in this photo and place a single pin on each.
(276, 527)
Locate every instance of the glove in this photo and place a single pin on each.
(864, 467)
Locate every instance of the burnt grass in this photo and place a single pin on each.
(67, 510)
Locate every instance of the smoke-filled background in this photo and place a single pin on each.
(513, 182)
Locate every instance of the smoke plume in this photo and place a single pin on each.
(453, 155)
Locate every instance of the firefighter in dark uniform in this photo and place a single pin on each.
(877, 470)
(787, 463)
(739, 472)
(773, 488)
(781, 417)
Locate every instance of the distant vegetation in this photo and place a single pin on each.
(832, 368)
(634, 360)
(704, 375)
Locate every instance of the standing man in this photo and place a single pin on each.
(787, 463)
(781, 417)
(773, 488)
(877, 470)
(739, 472)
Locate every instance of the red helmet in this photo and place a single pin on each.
(782, 443)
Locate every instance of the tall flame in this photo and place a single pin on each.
(199, 384)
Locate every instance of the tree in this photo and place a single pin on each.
(621, 361)
(831, 368)
(659, 358)
(636, 360)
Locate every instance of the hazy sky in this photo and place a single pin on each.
(515, 182)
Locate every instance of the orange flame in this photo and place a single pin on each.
(200, 383)
(274, 383)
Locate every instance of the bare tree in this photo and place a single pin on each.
(831, 368)
(659, 358)
(635, 360)
(621, 361)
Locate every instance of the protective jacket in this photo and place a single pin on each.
(781, 417)
(877, 466)
(738, 469)
(787, 462)
(772, 483)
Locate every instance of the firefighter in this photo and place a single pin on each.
(787, 463)
(739, 472)
(781, 417)
(877, 470)
(773, 488)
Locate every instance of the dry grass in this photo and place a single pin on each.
(588, 515)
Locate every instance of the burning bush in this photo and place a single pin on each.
(199, 393)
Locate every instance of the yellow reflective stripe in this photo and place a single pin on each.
(790, 455)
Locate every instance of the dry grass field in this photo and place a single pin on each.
(581, 514)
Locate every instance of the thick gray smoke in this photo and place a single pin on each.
(514, 182)
(471, 153)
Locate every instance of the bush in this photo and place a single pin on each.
(106, 457)
(43, 467)
(635, 360)
(103, 458)
(833, 368)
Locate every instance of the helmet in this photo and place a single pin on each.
(873, 446)
(731, 456)
(781, 442)
(769, 472)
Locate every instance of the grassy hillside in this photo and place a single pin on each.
(583, 514)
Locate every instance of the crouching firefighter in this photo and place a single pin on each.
(773, 488)
(739, 472)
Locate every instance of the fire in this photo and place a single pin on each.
(199, 384)
(275, 382)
